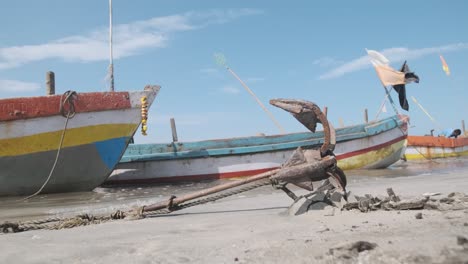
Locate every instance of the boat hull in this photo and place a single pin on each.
(430, 147)
(370, 146)
(88, 149)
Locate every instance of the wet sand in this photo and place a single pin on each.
(254, 227)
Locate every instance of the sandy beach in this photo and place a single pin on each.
(255, 227)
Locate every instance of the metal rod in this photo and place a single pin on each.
(111, 62)
(50, 83)
(366, 117)
(287, 173)
(463, 127)
(174, 130)
(209, 191)
(325, 110)
(305, 170)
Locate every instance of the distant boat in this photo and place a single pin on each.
(372, 145)
(85, 134)
(431, 147)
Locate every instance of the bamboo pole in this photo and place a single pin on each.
(258, 101)
(425, 112)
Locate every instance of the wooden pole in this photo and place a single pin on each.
(425, 112)
(174, 130)
(366, 117)
(463, 127)
(50, 83)
(281, 129)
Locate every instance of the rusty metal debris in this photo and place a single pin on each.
(453, 201)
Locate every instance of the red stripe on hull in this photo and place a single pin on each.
(42, 106)
(190, 178)
(362, 151)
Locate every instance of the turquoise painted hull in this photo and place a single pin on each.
(250, 145)
(373, 145)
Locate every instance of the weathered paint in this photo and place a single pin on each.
(73, 137)
(245, 156)
(40, 125)
(246, 145)
(94, 142)
(33, 107)
(80, 168)
(429, 147)
(374, 158)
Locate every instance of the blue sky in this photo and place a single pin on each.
(312, 50)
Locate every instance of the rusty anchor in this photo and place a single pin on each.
(304, 168)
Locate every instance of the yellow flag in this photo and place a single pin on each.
(445, 66)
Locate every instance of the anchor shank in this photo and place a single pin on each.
(212, 190)
(313, 171)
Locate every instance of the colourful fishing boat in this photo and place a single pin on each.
(372, 145)
(431, 147)
(66, 143)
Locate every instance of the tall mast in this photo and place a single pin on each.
(111, 63)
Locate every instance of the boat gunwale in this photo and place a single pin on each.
(305, 139)
(436, 142)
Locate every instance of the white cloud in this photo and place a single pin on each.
(18, 86)
(128, 39)
(397, 54)
(326, 62)
(230, 90)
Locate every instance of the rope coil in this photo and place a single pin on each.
(70, 96)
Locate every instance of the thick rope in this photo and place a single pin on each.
(55, 223)
(68, 114)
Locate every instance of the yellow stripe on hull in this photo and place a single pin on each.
(425, 155)
(73, 137)
(370, 157)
